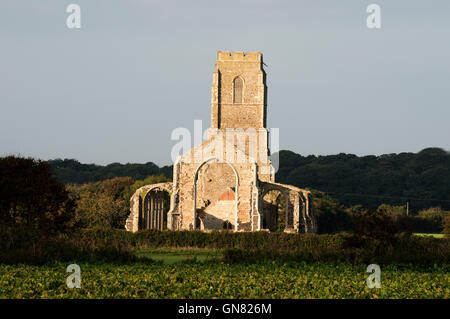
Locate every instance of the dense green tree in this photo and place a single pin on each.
(430, 220)
(446, 226)
(106, 204)
(70, 171)
(394, 211)
(102, 204)
(382, 226)
(422, 179)
(332, 216)
(32, 199)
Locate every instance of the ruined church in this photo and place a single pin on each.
(228, 181)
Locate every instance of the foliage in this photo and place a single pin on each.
(382, 225)
(420, 178)
(446, 226)
(31, 199)
(426, 221)
(70, 171)
(384, 183)
(102, 204)
(377, 232)
(394, 211)
(434, 216)
(118, 246)
(426, 251)
(332, 216)
(65, 248)
(268, 279)
(107, 203)
(153, 179)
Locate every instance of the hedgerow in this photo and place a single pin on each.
(254, 246)
(118, 245)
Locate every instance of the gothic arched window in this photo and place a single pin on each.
(238, 87)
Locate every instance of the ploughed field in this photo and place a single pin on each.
(200, 273)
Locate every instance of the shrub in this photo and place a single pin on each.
(118, 245)
(256, 246)
(31, 199)
(429, 220)
(107, 204)
(380, 225)
(102, 204)
(446, 226)
(332, 216)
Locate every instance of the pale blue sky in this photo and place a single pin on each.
(114, 90)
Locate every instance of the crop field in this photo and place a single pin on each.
(149, 264)
(200, 274)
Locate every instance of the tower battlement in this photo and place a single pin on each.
(223, 56)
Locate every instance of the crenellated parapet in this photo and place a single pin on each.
(239, 56)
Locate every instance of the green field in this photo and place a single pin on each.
(431, 235)
(150, 264)
(178, 275)
(170, 256)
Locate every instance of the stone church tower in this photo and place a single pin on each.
(227, 182)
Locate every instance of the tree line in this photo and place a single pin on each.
(420, 179)
(71, 171)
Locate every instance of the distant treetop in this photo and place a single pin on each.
(422, 179)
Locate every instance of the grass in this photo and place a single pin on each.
(430, 234)
(170, 256)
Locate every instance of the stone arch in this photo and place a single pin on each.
(299, 215)
(155, 208)
(273, 199)
(134, 220)
(236, 175)
(311, 218)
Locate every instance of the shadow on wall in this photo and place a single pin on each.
(211, 222)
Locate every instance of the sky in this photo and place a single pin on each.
(115, 89)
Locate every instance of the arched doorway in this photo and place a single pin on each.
(155, 206)
(274, 211)
(215, 195)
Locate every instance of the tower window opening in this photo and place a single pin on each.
(238, 86)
